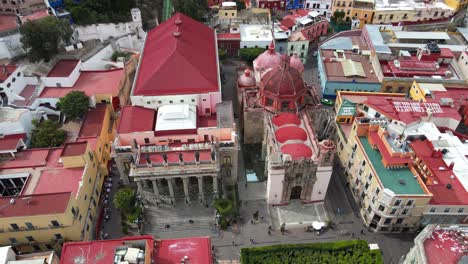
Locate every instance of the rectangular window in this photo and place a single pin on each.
(397, 202)
(410, 202)
(377, 191)
(367, 185)
(387, 221)
(29, 225)
(393, 211)
(292, 47)
(30, 238)
(399, 220)
(90, 156)
(73, 211)
(14, 226)
(433, 209)
(147, 141)
(13, 240)
(227, 160)
(447, 210)
(36, 248)
(58, 236)
(49, 246)
(381, 208)
(404, 211)
(460, 210)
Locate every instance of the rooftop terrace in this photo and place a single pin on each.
(400, 181)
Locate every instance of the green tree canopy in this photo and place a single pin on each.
(192, 8)
(124, 199)
(87, 12)
(250, 54)
(74, 104)
(42, 38)
(47, 134)
(240, 4)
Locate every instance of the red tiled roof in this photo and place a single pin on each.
(26, 93)
(9, 70)
(91, 83)
(178, 58)
(100, 251)
(171, 251)
(288, 22)
(10, 142)
(444, 247)
(222, 36)
(409, 67)
(386, 106)
(297, 151)
(286, 133)
(63, 68)
(92, 123)
(286, 119)
(35, 16)
(437, 184)
(27, 158)
(59, 180)
(29, 205)
(136, 119)
(8, 22)
(73, 149)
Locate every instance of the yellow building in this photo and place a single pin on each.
(388, 190)
(345, 6)
(387, 15)
(421, 91)
(364, 11)
(228, 10)
(49, 196)
(456, 4)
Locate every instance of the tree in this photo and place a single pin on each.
(240, 5)
(47, 134)
(42, 38)
(250, 54)
(192, 8)
(74, 104)
(338, 16)
(124, 199)
(87, 12)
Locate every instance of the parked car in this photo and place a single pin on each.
(327, 101)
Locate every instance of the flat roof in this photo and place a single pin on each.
(391, 179)
(59, 180)
(29, 205)
(445, 246)
(336, 72)
(10, 142)
(252, 32)
(176, 117)
(421, 35)
(93, 121)
(91, 83)
(63, 68)
(197, 249)
(74, 149)
(8, 22)
(463, 32)
(136, 119)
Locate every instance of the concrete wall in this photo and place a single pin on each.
(10, 46)
(321, 184)
(301, 47)
(255, 44)
(275, 185)
(323, 7)
(67, 81)
(331, 87)
(105, 31)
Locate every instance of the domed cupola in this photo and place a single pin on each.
(296, 63)
(246, 79)
(267, 60)
(282, 88)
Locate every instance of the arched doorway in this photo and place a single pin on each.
(296, 193)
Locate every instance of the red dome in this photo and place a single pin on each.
(297, 151)
(286, 133)
(267, 60)
(246, 79)
(283, 82)
(296, 63)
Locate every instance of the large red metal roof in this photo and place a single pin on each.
(29, 205)
(10, 142)
(92, 123)
(179, 57)
(63, 68)
(171, 251)
(59, 180)
(136, 119)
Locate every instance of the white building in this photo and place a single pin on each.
(10, 45)
(323, 7)
(255, 36)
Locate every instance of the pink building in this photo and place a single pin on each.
(178, 137)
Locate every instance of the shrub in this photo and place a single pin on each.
(250, 54)
(225, 207)
(74, 104)
(354, 251)
(47, 134)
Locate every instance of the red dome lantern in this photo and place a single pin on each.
(246, 79)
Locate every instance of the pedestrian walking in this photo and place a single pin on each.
(269, 232)
(362, 231)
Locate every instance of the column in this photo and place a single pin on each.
(140, 188)
(171, 190)
(200, 189)
(215, 186)
(155, 189)
(186, 191)
(145, 184)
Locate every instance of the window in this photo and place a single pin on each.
(94, 203)
(36, 248)
(181, 101)
(433, 209)
(370, 179)
(170, 101)
(436, 14)
(404, 211)
(193, 100)
(86, 197)
(79, 218)
(227, 160)
(369, 209)
(460, 210)
(30, 238)
(399, 220)
(14, 226)
(410, 202)
(363, 163)
(292, 47)
(147, 141)
(13, 240)
(397, 202)
(303, 46)
(159, 102)
(29, 225)
(381, 208)
(58, 236)
(393, 211)
(387, 221)
(367, 185)
(90, 156)
(204, 100)
(447, 210)
(377, 191)
(49, 246)
(391, 16)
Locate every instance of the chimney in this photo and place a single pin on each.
(452, 164)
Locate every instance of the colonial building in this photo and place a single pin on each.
(277, 109)
(178, 140)
(402, 171)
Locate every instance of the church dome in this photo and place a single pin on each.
(283, 88)
(296, 63)
(267, 60)
(246, 79)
